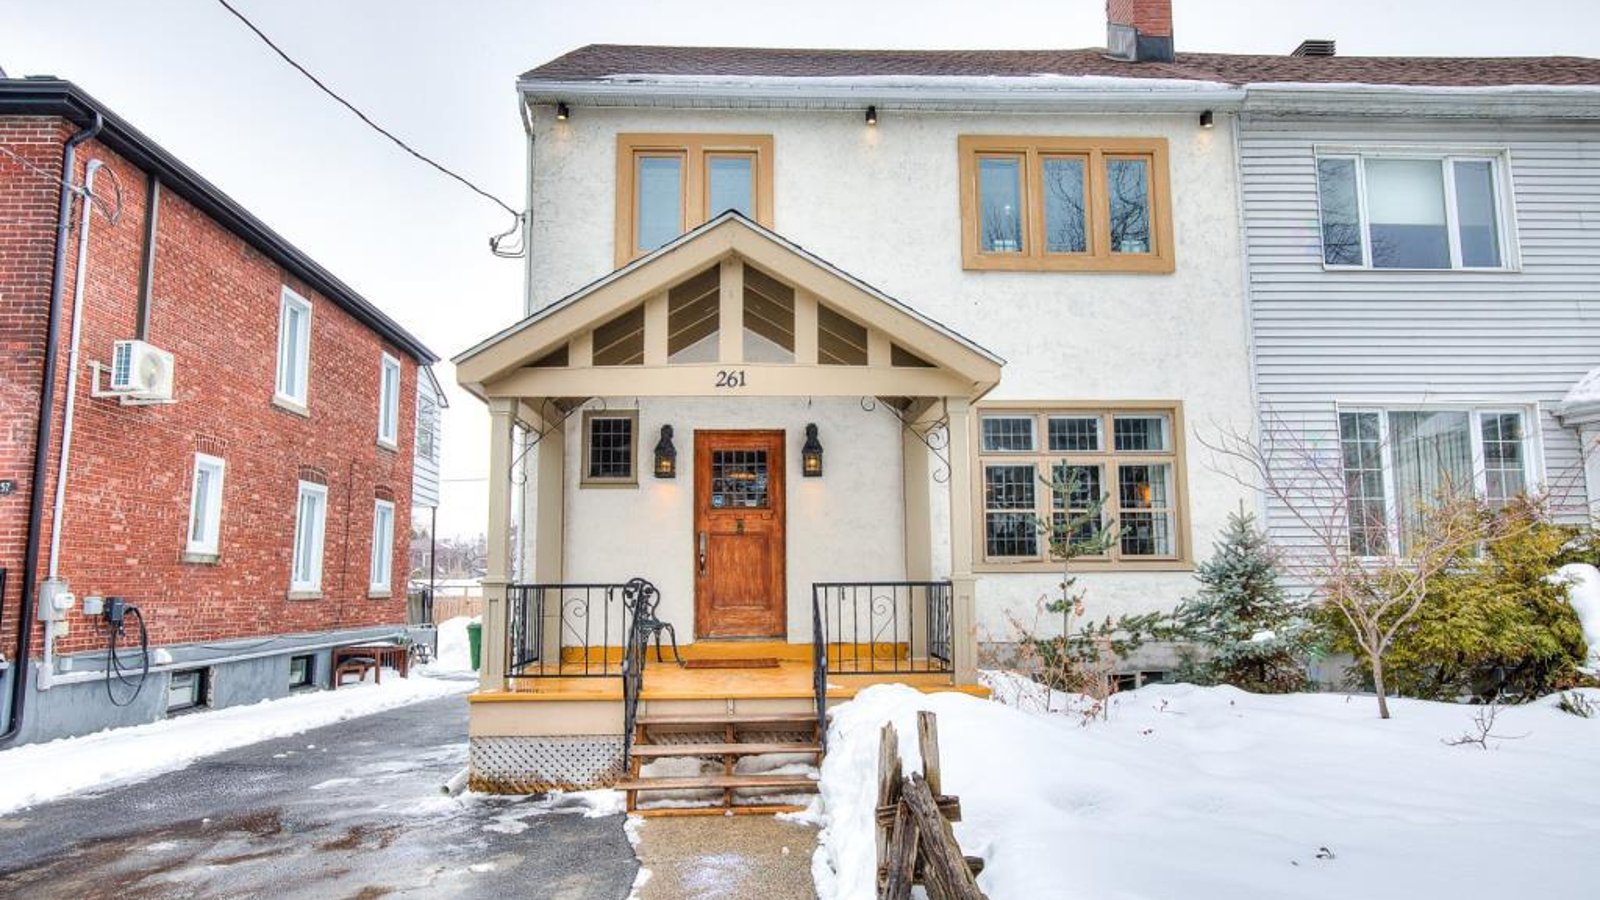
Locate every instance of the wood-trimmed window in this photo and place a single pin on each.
(670, 183)
(1131, 455)
(1065, 204)
(610, 448)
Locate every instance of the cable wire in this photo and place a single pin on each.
(114, 662)
(363, 116)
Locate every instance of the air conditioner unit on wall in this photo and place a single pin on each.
(140, 371)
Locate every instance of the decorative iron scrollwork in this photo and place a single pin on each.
(933, 434)
(518, 476)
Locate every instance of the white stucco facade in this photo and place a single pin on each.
(883, 203)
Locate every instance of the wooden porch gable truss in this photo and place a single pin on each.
(728, 309)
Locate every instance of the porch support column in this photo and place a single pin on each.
(492, 673)
(549, 464)
(916, 481)
(963, 611)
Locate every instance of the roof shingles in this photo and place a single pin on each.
(597, 62)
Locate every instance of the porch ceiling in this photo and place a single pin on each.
(728, 309)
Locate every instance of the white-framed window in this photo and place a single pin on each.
(294, 348)
(1398, 460)
(382, 545)
(205, 504)
(311, 518)
(388, 401)
(1414, 210)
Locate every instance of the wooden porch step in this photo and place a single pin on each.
(718, 782)
(720, 719)
(656, 751)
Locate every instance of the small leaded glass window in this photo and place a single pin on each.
(1009, 493)
(1008, 433)
(610, 448)
(739, 479)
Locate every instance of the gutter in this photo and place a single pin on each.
(41, 446)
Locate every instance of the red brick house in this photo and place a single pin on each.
(239, 429)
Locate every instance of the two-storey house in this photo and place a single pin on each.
(206, 439)
(1423, 263)
(815, 341)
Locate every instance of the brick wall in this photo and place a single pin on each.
(1152, 18)
(214, 306)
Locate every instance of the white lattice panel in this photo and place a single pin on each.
(526, 765)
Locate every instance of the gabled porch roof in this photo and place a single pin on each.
(729, 293)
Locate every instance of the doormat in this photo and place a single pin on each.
(760, 662)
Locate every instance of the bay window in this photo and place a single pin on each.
(1399, 461)
(1412, 211)
(1042, 469)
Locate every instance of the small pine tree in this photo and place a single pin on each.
(1248, 632)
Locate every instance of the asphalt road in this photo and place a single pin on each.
(351, 810)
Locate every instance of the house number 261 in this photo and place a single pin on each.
(730, 378)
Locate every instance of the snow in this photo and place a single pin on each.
(1587, 390)
(1039, 81)
(454, 655)
(36, 773)
(1216, 793)
(1583, 592)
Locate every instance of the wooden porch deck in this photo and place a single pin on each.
(790, 679)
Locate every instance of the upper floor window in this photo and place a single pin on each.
(427, 427)
(310, 521)
(205, 505)
(670, 183)
(1065, 204)
(294, 348)
(1397, 461)
(389, 401)
(1042, 469)
(1412, 211)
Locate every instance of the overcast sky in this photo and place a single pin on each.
(441, 74)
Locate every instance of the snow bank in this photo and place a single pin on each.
(454, 654)
(1583, 592)
(1214, 792)
(39, 772)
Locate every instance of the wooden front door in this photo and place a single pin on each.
(739, 535)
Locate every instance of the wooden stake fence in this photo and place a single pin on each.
(915, 842)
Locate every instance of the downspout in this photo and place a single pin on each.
(41, 446)
(47, 669)
(527, 216)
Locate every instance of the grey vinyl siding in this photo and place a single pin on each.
(425, 467)
(1324, 338)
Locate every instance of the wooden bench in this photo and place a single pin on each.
(358, 659)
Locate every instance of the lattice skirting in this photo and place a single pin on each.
(529, 765)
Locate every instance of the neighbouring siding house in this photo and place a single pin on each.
(250, 501)
(1422, 264)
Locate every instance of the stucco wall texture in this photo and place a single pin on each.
(883, 204)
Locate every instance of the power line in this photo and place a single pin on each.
(363, 116)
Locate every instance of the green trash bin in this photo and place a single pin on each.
(475, 643)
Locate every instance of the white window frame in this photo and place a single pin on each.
(389, 401)
(381, 571)
(320, 493)
(293, 363)
(210, 518)
(1532, 451)
(1505, 214)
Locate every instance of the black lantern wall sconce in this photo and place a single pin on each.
(666, 455)
(811, 454)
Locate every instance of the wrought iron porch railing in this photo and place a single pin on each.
(881, 627)
(567, 630)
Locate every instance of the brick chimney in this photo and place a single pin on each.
(1139, 30)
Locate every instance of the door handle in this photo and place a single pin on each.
(702, 553)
